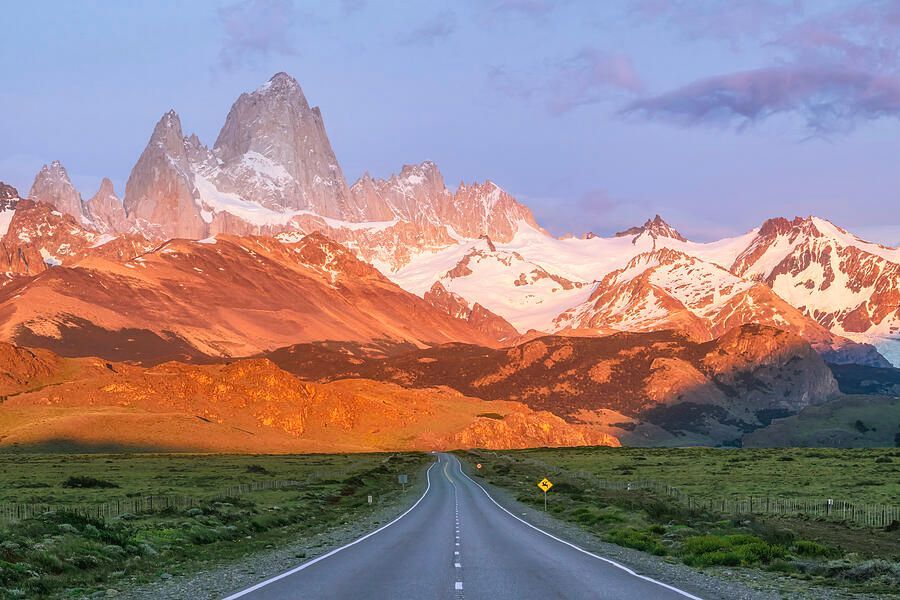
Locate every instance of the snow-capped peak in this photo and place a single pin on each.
(655, 228)
(280, 82)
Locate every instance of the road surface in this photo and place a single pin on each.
(456, 542)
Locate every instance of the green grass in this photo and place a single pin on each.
(67, 555)
(863, 475)
(822, 551)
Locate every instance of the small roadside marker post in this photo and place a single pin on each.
(370, 499)
(545, 485)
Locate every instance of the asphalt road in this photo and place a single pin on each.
(455, 542)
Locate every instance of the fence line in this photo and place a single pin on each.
(16, 511)
(866, 515)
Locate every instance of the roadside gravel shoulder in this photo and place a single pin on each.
(710, 584)
(220, 579)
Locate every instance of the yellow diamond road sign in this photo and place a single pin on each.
(545, 484)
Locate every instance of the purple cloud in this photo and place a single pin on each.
(588, 77)
(730, 20)
(349, 7)
(440, 26)
(834, 67)
(531, 8)
(255, 29)
(829, 98)
(864, 35)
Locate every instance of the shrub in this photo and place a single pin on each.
(84, 481)
(706, 550)
(877, 569)
(259, 469)
(638, 539)
(202, 535)
(814, 549)
(725, 558)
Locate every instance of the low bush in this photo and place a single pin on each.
(637, 539)
(814, 549)
(84, 481)
(729, 550)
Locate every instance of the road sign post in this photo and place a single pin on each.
(545, 485)
(403, 479)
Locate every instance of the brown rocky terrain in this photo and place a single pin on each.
(491, 324)
(40, 237)
(250, 406)
(229, 296)
(716, 389)
(850, 286)
(668, 289)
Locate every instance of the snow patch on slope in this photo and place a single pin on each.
(212, 201)
(6, 217)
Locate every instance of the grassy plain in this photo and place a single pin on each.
(861, 475)
(66, 555)
(862, 559)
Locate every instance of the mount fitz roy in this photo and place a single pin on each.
(473, 254)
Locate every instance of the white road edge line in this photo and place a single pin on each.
(571, 545)
(336, 550)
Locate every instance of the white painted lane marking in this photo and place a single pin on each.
(336, 550)
(571, 545)
(457, 565)
(459, 585)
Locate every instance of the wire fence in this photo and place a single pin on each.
(836, 509)
(17, 511)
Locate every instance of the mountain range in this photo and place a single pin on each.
(258, 243)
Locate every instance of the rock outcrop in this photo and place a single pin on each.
(711, 391)
(492, 325)
(251, 406)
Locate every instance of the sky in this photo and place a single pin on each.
(598, 115)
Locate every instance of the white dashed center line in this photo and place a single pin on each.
(458, 585)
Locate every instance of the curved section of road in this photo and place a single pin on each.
(457, 542)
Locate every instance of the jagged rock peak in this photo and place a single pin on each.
(53, 186)
(160, 191)
(105, 209)
(275, 150)
(655, 228)
(167, 134)
(106, 189)
(282, 83)
(423, 173)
